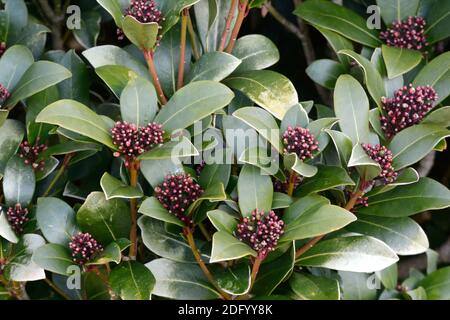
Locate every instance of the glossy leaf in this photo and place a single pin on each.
(437, 285)
(151, 207)
(142, 35)
(56, 219)
(310, 287)
(227, 247)
(132, 281)
(78, 118)
(223, 221)
(214, 66)
(256, 52)
(270, 90)
(54, 258)
(403, 201)
(325, 72)
(11, 135)
(438, 19)
(234, 280)
(171, 150)
(106, 220)
(353, 253)
(397, 10)
(399, 61)
(19, 182)
(114, 188)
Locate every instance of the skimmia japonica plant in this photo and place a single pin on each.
(170, 163)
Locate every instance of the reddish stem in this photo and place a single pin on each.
(184, 23)
(148, 54)
(242, 12)
(227, 28)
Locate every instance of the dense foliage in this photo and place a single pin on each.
(174, 164)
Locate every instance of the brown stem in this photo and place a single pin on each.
(349, 206)
(134, 172)
(255, 270)
(242, 12)
(190, 239)
(182, 62)
(151, 68)
(227, 28)
(291, 185)
(193, 38)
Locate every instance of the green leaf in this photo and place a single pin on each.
(151, 207)
(106, 220)
(223, 221)
(303, 206)
(11, 135)
(343, 145)
(109, 55)
(171, 10)
(263, 123)
(292, 162)
(338, 43)
(327, 177)
(339, 19)
(170, 150)
(397, 10)
(372, 77)
(14, 63)
(326, 219)
(436, 74)
(439, 117)
(112, 253)
(234, 280)
(399, 61)
(6, 231)
(310, 287)
(56, 220)
(69, 147)
(437, 285)
(417, 294)
(296, 116)
(438, 19)
(352, 253)
(402, 235)
(77, 86)
(255, 190)
(176, 280)
(167, 245)
(54, 258)
(114, 188)
(352, 108)
(414, 143)
(355, 286)
(88, 34)
(40, 76)
(367, 168)
(115, 9)
(214, 66)
(155, 171)
(195, 101)
(256, 52)
(272, 273)
(213, 173)
(20, 266)
(138, 102)
(142, 35)
(76, 117)
(226, 247)
(19, 182)
(131, 280)
(270, 90)
(325, 72)
(407, 200)
(116, 77)
(281, 200)
(389, 276)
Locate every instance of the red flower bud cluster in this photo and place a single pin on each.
(144, 11)
(17, 217)
(4, 94)
(301, 142)
(84, 248)
(133, 140)
(2, 48)
(177, 193)
(407, 34)
(408, 107)
(260, 231)
(30, 154)
(383, 156)
(283, 187)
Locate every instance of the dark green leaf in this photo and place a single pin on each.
(227, 247)
(19, 182)
(132, 281)
(256, 52)
(310, 287)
